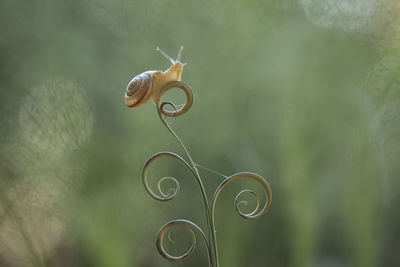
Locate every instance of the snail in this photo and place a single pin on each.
(149, 83)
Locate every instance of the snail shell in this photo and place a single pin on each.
(149, 83)
(139, 90)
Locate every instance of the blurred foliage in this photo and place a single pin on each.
(303, 92)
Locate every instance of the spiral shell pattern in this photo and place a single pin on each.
(138, 90)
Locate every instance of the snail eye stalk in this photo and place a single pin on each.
(178, 58)
(165, 55)
(138, 91)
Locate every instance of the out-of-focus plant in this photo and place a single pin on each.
(137, 90)
(306, 91)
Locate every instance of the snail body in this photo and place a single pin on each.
(149, 83)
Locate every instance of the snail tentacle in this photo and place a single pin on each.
(149, 83)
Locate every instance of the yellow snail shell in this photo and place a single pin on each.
(149, 83)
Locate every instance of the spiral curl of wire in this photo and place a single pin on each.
(192, 227)
(211, 241)
(163, 196)
(167, 197)
(257, 212)
(177, 112)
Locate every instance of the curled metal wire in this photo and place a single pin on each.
(192, 227)
(210, 240)
(174, 190)
(172, 193)
(257, 212)
(244, 202)
(163, 196)
(167, 103)
(189, 99)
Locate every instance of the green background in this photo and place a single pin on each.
(305, 93)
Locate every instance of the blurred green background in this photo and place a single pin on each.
(304, 92)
